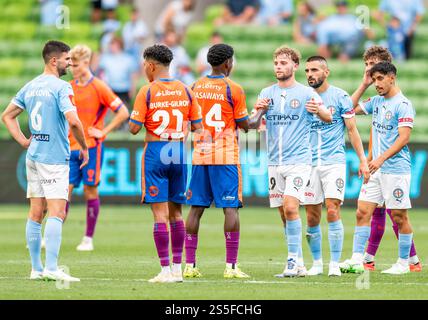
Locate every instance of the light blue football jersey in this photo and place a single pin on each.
(328, 139)
(388, 116)
(288, 124)
(46, 99)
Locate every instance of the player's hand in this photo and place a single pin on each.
(367, 80)
(312, 106)
(262, 104)
(84, 156)
(375, 164)
(26, 143)
(96, 133)
(364, 171)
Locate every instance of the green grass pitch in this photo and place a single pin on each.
(125, 258)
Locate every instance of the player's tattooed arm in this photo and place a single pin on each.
(10, 119)
(355, 139)
(261, 107)
(402, 140)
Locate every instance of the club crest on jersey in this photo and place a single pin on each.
(332, 110)
(189, 194)
(398, 194)
(340, 184)
(153, 191)
(388, 115)
(294, 104)
(298, 183)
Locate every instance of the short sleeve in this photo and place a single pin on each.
(195, 114)
(322, 34)
(287, 6)
(419, 7)
(240, 112)
(66, 99)
(19, 99)
(138, 115)
(346, 106)
(383, 5)
(367, 105)
(110, 99)
(406, 114)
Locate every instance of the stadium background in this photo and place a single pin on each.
(124, 256)
(22, 37)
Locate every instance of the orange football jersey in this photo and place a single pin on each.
(92, 102)
(223, 105)
(165, 107)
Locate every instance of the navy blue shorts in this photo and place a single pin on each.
(90, 174)
(219, 183)
(164, 172)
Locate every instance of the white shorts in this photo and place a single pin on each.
(326, 182)
(48, 181)
(288, 180)
(391, 189)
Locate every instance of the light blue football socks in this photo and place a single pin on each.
(53, 231)
(335, 238)
(33, 234)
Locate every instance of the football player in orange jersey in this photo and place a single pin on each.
(93, 99)
(216, 171)
(165, 107)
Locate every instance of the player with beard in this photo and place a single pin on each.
(328, 176)
(372, 56)
(289, 108)
(393, 118)
(49, 102)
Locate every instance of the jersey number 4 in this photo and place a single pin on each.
(213, 118)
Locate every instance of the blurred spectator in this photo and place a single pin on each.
(304, 27)
(176, 16)
(134, 33)
(119, 70)
(239, 12)
(179, 68)
(409, 12)
(202, 66)
(48, 12)
(99, 5)
(396, 39)
(109, 4)
(96, 13)
(275, 12)
(343, 30)
(110, 26)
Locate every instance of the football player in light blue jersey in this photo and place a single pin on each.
(393, 117)
(49, 103)
(328, 176)
(289, 108)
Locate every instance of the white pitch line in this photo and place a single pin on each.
(244, 281)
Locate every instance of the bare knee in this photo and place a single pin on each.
(399, 219)
(91, 192)
(291, 211)
(363, 214)
(333, 213)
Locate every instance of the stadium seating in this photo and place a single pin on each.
(22, 37)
